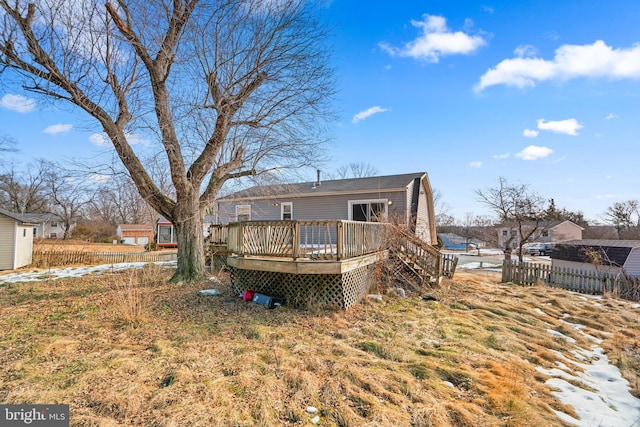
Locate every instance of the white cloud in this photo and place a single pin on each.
(530, 133)
(534, 152)
(102, 140)
(475, 165)
(501, 156)
(568, 127)
(611, 116)
(368, 113)
(488, 9)
(436, 41)
(18, 103)
(59, 128)
(99, 139)
(570, 62)
(99, 178)
(525, 51)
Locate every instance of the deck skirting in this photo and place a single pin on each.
(303, 284)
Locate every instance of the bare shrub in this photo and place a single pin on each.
(131, 293)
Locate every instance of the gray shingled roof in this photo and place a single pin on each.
(15, 216)
(374, 183)
(41, 217)
(613, 252)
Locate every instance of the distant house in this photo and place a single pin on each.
(16, 240)
(548, 232)
(135, 234)
(407, 197)
(165, 234)
(605, 256)
(46, 225)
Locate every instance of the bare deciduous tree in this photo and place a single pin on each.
(356, 170)
(519, 208)
(226, 88)
(625, 217)
(67, 196)
(22, 190)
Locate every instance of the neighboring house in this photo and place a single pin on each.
(46, 225)
(407, 197)
(135, 234)
(16, 240)
(549, 232)
(611, 256)
(165, 234)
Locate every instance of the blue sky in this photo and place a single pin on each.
(540, 92)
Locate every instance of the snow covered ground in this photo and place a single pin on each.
(61, 273)
(605, 401)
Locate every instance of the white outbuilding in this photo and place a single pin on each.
(16, 240)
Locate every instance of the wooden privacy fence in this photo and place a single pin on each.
(60, 258)
(583, 281)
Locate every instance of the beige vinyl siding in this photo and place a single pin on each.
(632, 266)
(423, 230)
(407, 200)
(565, 231)
(7, 243)
(24, 246)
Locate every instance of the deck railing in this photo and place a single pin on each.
(321, 240)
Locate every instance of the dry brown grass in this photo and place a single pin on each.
(133, 349)
(60, 245)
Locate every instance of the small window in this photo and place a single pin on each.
(545, 233)
(54, 225)
(53, 235)
(35, 232)
(24, 232)
(505, 233)
(286, 210)
(243, 213)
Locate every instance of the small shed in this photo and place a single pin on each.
(605, 256)
(16, 240)
(135, 234)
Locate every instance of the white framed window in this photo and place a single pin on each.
(368, 210)
(53, 235)
(286, 210)
(243, 212)
(54, 225)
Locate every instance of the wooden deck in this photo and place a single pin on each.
(330, 262)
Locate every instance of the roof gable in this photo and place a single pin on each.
(14, 216)
(352, 185)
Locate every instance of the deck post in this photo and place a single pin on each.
(339, 240)
(295, 243)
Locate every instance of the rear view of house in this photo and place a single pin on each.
(16, 240)
(407, 198)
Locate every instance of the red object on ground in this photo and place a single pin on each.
(248, 295)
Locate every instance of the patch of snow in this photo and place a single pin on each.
(610, 405)
(561, 335)
(537, 310)
(481, 265)
(74, 272)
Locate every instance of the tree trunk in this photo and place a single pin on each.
(191, 260)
